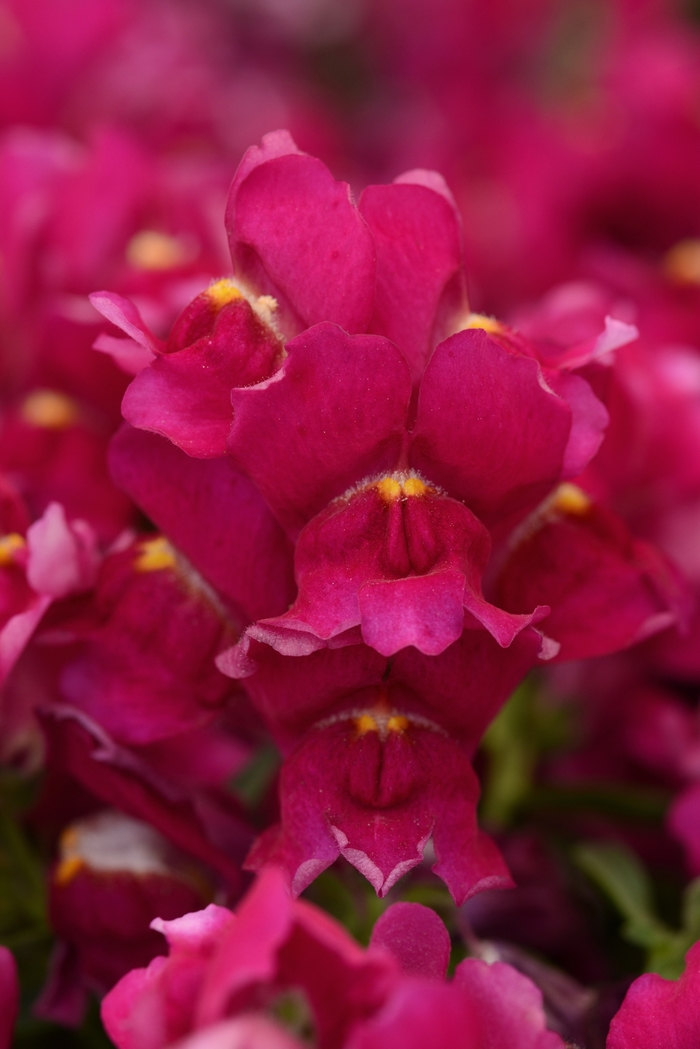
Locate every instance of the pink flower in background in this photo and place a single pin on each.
(658, 1012)
(278, 958)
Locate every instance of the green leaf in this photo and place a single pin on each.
(526, 727)
(254, 779)
(618, 872)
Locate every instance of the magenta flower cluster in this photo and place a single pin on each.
(349, 536)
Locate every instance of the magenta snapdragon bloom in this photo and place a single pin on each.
(396, 446)
(378, 758)
(335, 412)
(243, 975)
(146, 669)
(112, 877)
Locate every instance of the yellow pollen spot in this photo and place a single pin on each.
(222, 292)
(480, 320)
(155, 555)
(394, 487)
(151, 250)
(681, 263)
(9, 546)
(569, 499)
(414, 486)
(67, 869)
(365, 723)
(397, 723)
(389, 489)
(50, 410)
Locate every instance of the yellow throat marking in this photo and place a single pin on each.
(154, 555)
(9, 546)
(394, 487)
(49, 410)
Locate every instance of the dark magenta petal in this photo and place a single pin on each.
(146, 671)
(488, 428)
(418, 236)
(396, 559)
(606, 590)
(114, 876)
(334, 413)
(464, 687)
(683, 823)
(657, 1013)
(185, 395)
(201, 506)
(295, 233)
(80, 748)
(417, 938)
(18, 628)
(374, 788)
(123, 314)
(294, 693)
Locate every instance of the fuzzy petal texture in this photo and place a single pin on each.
(295, 233)
(488, 429)
(374, 792)
(418, 236)
(333, 414)
(214, 515)
(292, 694)
(658, 1013)
(400, 567)
(462, 689)
(606, 589)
